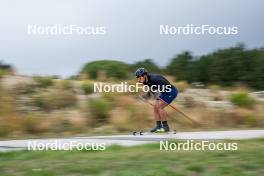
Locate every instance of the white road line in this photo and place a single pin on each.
(130, 140)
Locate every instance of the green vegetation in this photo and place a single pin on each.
(32, 123)
(143, 160)
(148, 64)
(65, 85)
(100, 110)
(54, 99)
(1, 73)
(108, 68)
(88, 87)
(31, 106)
(4, 68)
(242, 99)
(43, 82)
(224, 67)
(179, 66)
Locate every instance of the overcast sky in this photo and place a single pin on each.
(132, 31)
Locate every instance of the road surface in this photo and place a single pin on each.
(130, 140)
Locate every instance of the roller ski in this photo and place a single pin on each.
(158, 131)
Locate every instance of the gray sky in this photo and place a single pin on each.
(132, 30)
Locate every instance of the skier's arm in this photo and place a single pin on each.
(150, 94)
(147, 95)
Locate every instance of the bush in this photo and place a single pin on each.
(148, 64)
(243, 116)
(111, 69)
(251, 121)
(54, 99)
(88, 87)
(65, 85)
(1, 73)
(43, 82)
(4, 130)
(242, 99)
(182, 85)
(121, 120)
(24, 88)
(32, 123)
(214, 87)
(99, 109)
(124, 101)
(63, 126)
(189, 102)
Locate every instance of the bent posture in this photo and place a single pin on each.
(166, 94)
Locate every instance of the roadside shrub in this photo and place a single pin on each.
(100, 110)
(143, 118)
(43, 82)
(4, 130)
(54, 99)
(182, 85)
(251, 120)
(65, 85)
(189, 102)
(1, 73)
(242, 99)
(239, 115)
(10, 123)
(63, 126)
(88, 87)
(124, 101)
(111, 96)
(32, 123)
(121, 120)
(67, 121)
(214, 87)
(24, 88)
(243, 116)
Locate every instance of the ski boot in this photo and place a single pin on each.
(165, 126)
(157, 128)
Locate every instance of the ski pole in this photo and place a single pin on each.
(173, 107)
(182, 113)
(143, 99)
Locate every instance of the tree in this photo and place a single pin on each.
(112, 69)
(225, 67)
(148, 64)
(179, 66)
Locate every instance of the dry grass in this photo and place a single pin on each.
(182, 85)
(122, 113)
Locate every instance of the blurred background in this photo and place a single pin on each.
(221, 90)
(47, 80)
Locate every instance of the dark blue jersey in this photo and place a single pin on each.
(156, 80)
(166, 91)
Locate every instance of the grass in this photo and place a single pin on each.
(145, 160)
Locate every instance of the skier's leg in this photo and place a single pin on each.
(163, 115)
(156, 111)
(161, 111)
(157, 117)
(165, 100)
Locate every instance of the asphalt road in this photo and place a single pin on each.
(129, 140)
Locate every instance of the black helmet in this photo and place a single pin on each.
(141, 72)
